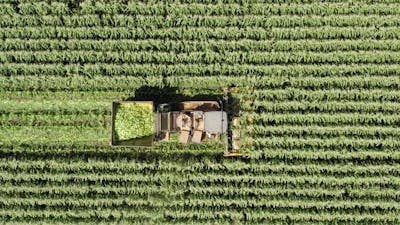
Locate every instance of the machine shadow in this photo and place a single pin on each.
(169, 94)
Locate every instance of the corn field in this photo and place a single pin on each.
(319, 92)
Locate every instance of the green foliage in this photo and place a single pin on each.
(134, 120)
(181, 46)
(319, 94)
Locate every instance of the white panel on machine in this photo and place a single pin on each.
(215, 122)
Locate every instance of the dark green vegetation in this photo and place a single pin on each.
(319, 89)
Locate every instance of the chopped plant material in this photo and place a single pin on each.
(133, 120)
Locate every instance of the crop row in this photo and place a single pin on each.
(350, 144)
(301, 131)
(321, 107)
(180, 46)
(200, 69)
(129, 83)
(194, 8)
(294, 156)
(203, 180)
(129, 216)
(201, 33)
(43, 135)
(204, 204)
(76, 215)
(65, 95)
(312, 82)
(77, 83)
(90, 143)
(48, 221)
(336, 156)
(199, 21)
(291, 94)
(101, 151)
(131, 167)
(55, 107)
(329, 194)
(204, 57)
(87, 120)
(322, 119)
